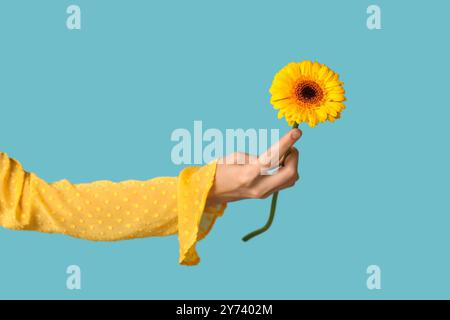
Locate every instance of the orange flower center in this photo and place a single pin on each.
(309, 92)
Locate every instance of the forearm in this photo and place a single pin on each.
(108, 211)
(101, 210)
(15, 208)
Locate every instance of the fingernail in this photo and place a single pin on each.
(296, 134)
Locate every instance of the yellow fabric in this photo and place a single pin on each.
(109, 211)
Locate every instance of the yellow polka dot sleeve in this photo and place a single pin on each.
(109, 211)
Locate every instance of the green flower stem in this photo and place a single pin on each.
(273, 207)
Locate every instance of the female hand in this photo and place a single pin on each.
(242, 176)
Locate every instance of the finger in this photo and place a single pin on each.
(271, 158)
(295, 176)
(286, 175)
(239, 158)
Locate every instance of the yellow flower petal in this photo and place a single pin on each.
(305, 68)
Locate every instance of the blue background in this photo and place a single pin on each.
(102, 102)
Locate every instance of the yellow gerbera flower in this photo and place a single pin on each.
(307, 92)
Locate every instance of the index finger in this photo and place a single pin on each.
(272, 156)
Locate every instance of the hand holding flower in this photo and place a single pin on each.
(239, 175)
(304, 92)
